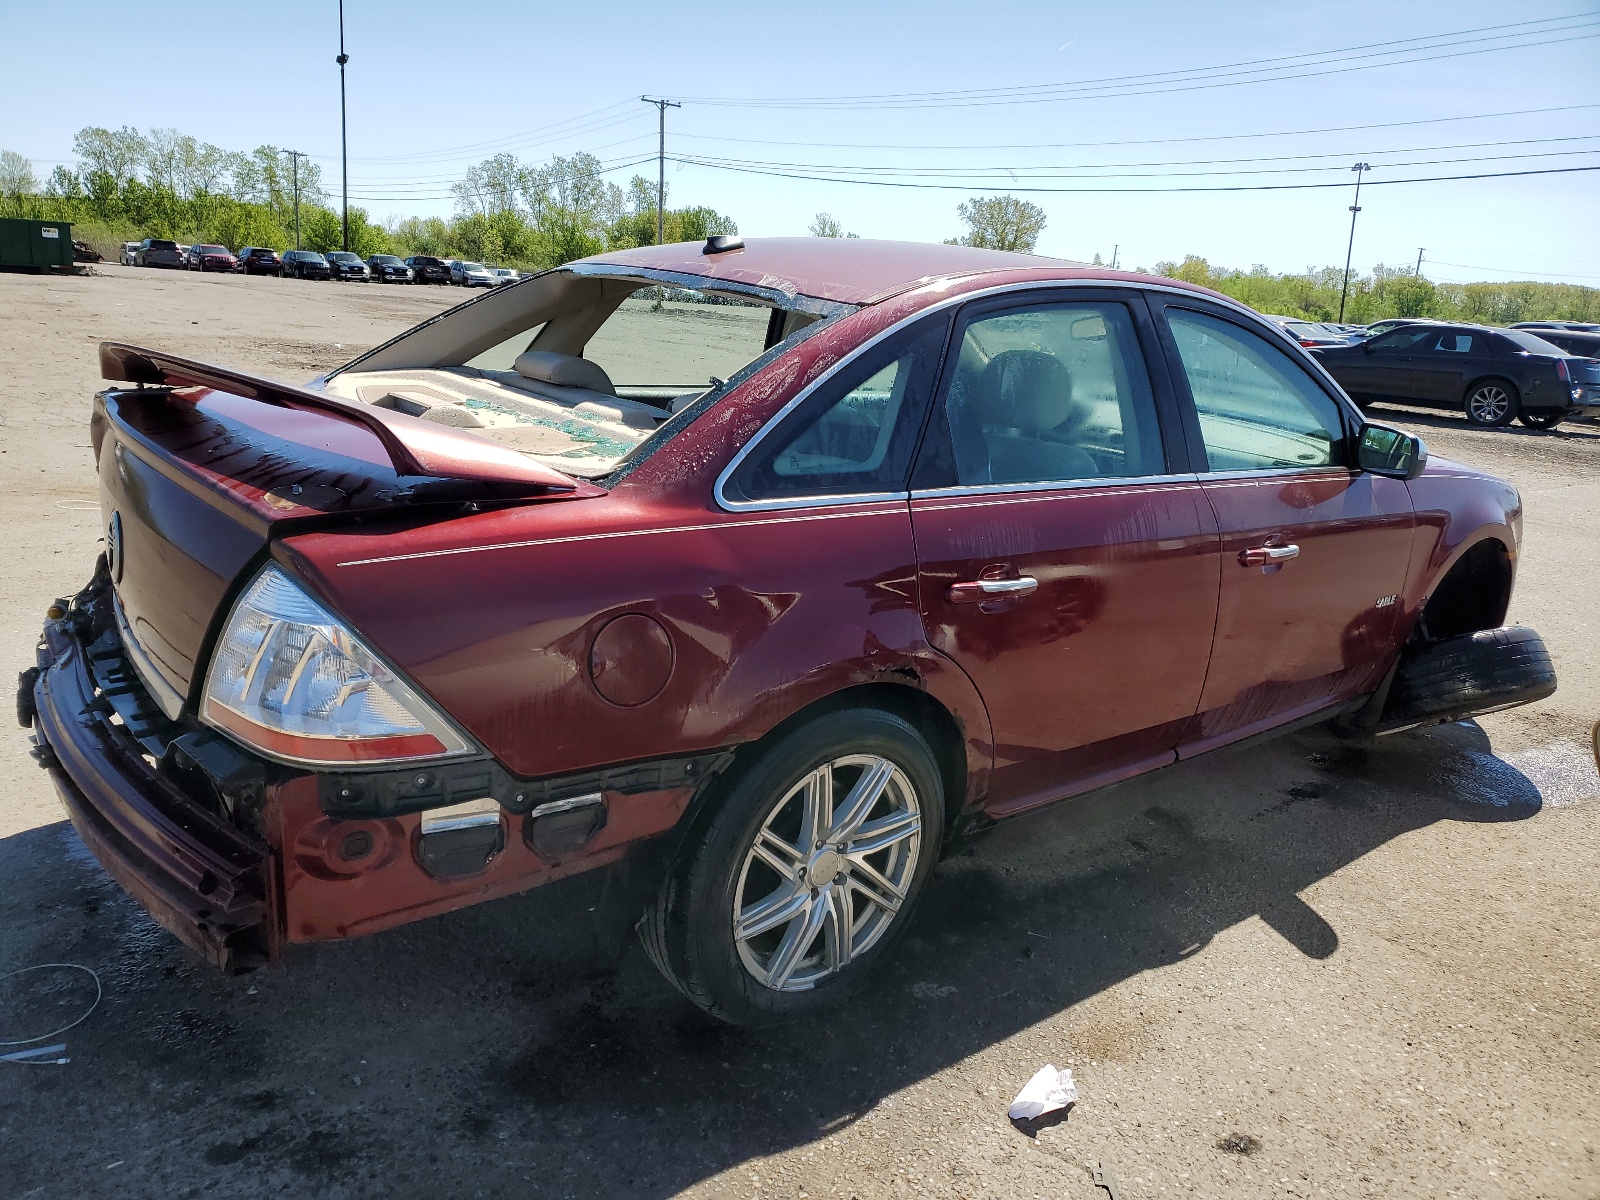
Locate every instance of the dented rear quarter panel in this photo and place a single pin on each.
(495, 614)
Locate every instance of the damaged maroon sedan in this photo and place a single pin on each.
(774, 569)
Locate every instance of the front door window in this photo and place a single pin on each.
(1257, 408)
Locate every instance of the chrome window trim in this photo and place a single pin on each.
(1051, 485)
(719, 489)
(1260, 472)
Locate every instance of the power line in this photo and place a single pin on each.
(1214, 137)
(603, 170)
(1439, 262)
(1038, 172)
(1199, 78)
(557, 129)
(1124, 191)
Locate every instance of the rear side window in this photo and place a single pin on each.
(856, 434)
(1045, 394)
(1258, 408)
(1450, 342)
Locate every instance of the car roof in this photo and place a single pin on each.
(845, 270)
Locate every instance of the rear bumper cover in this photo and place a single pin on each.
(207, 882)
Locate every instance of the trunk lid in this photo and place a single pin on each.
(201, 471)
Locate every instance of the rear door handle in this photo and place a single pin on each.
(1261, 556)
(992, 589)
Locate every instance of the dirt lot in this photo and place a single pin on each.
(1372, 969)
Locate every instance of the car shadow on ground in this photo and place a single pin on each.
(517, 1041)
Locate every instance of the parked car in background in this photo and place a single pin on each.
(1311, 333)
(305, 264)
(471, 274)
(259, 260)
(210, 258)
(1388, 323)
(427, 269)
(85, 253)
(386, 268)
(345, 265)
(1495, 376)
(504, 274)
(127, 257)
(158, 252)
(1574, 326)
(1573, 341)
(891, 578)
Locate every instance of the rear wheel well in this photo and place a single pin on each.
(926, 715)
(1473, 595)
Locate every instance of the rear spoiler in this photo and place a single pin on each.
(415, 447)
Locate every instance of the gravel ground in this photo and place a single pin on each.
(1305, 969)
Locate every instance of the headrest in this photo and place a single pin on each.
(1027, 390)
(563, 370)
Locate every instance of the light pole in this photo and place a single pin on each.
(294, 155)
(344, 144)
(661, 165)
(1417, 274)
(1359, 168)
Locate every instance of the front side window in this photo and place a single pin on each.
(1045, 394)
(1258, 408)
(857, 432)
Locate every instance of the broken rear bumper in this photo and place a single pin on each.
(204, 880)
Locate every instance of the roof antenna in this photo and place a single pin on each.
(721, 243)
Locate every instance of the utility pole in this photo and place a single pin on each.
(661, 165)
(1417, 274)
(344, 144)
(1114, 250)
(295, 156)
(1359, 169)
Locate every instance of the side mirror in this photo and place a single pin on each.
(1385, 451)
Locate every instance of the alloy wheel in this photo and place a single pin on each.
(828, 872)
(1489, 405)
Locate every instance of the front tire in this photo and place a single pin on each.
(1491, 403)
(804, 873)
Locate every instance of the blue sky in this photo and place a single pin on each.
(433, 88)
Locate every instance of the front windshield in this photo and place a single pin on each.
(309, 256)
(343, 256)
(474, 267)
(212, 249)
(386, 260)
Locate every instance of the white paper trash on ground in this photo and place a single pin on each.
(1047, 1091)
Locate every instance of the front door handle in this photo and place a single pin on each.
(1261, 556)
(992, 589)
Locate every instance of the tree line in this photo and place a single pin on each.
(1389, 292)
(126, 185)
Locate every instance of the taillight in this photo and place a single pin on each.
(1304, 342)
(1561, 371)
(293, 681)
